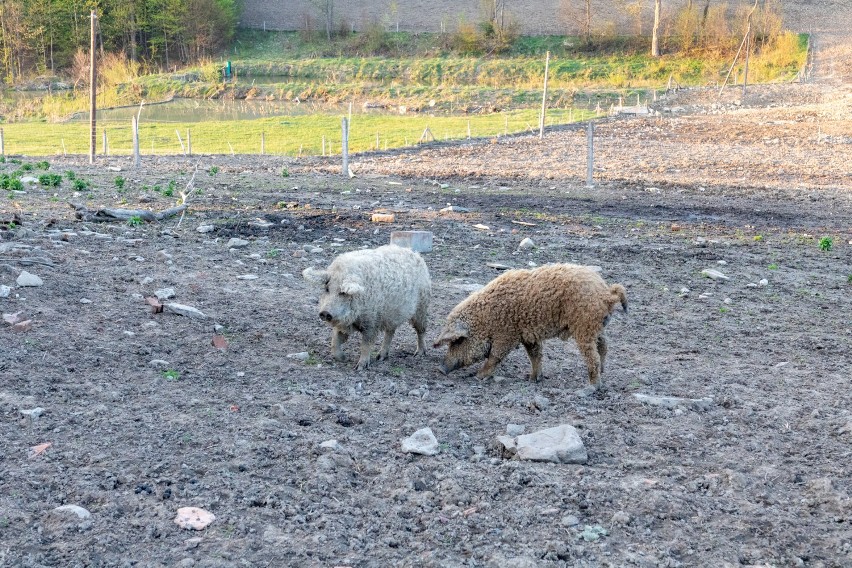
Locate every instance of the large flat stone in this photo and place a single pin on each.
(560, 444)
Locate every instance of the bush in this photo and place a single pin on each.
(50, 180)
(374, 40)
(465, 40)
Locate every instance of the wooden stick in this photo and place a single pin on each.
(107, 214)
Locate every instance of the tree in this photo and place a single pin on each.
(326, 9)
(578, 19)
(655, 39)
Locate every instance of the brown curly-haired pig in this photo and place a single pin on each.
(526, 307)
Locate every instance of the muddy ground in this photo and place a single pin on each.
(144, 415)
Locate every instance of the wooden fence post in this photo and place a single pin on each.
(590, 157)
(136, 159)
(262, 143)
(544, 97)
(345, 145)
(188, 142)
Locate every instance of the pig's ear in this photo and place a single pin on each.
(351, 287)
(451, 333)
(314, 276)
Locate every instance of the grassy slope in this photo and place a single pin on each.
(433, 83)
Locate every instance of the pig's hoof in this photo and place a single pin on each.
(382, 357)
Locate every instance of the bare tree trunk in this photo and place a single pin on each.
(655, 35)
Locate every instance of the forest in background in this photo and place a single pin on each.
(48, 36)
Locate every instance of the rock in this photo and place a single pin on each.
(158, 363)
(763, 282)
(247, 277)
(383, 218)
(541, 402)
(621, 518)
(5, 291)
(236, 243)
(301, 356)
(714, 274)
(81, 513)
(673, 402)
(182, 310)
(330, 446)
(418, 241)
(205, 228)
(27, 279)
(32, 413)
(526, 244)
(193, 518)
(497, 266)
(570, 521)
(421, 442)
(29, 179)
(454, 209)
(560, 444)
(515, 429)
(727, 301)
(85, 301)
(165, 293)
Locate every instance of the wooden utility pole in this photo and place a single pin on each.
(93, 88)
(543, 97)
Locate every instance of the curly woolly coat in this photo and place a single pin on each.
(371, 291)
(526, 307)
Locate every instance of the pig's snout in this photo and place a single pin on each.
(443, 368)
(325, 316)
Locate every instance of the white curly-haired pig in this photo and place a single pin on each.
(371, 291)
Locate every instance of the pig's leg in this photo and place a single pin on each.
(495, 355)
(383, 354)
(602, 350)
(368, 338)
(534, 353)
(338, 338)
(589, 350)
(418, 322)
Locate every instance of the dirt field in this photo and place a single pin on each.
(144, 415)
